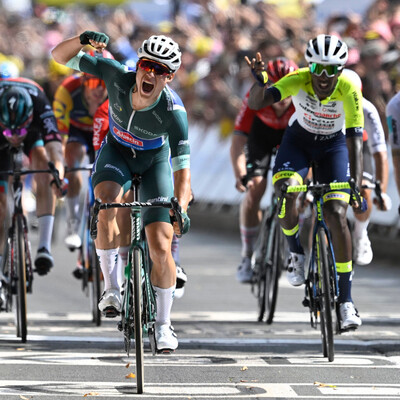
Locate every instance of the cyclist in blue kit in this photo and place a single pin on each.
(326, 127)
(147, 122)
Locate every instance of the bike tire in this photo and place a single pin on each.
(273, 272)
(260, 268)
(138, 324)
(19, 263)
(96, 286)
(325, 298)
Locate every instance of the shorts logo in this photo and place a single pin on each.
(127, 138)
(114, 168)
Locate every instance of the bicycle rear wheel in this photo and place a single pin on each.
(325, 296)
(273, 271)
(20, 269)
(137, 304)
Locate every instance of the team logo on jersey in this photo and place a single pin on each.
(117, 107)
(126, 137)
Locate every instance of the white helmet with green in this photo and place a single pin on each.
(327, 50)
(163, 50)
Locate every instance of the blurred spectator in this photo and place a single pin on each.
(215, 36)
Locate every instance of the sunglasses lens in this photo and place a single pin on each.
(19, 132)
(318, 69)
(152, 66)
(93, 83)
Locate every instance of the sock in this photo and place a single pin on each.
(73, 207)
(164, 299)
(123, 252)
(108, 264)
(46, 223)
(248, 236)
(360, 227)
(345, 276)
(293, 238)
(175, 249)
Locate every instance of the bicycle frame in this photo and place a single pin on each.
(138, 303)
(16, 269)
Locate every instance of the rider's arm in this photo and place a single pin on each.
(238, 158)
(182, 189)
(377, 142)
(393, 121)
(66, 50)
(355, 145)
(354, 124)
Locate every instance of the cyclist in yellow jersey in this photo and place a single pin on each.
(327, 128)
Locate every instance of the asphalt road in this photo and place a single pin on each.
(223, 352)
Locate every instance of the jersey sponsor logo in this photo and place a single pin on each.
(117, 107)
(159, 198)
(157, 117)
(50, 125)
(119, 88)
(141, 130)
(114, 168)
(327, 115)
(126, 137)
(115, 116)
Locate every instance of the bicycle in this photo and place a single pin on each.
(90, 272)
(16, 272)
(268, 260)
(321, 286)
(138, 303)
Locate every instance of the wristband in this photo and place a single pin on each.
(261, 78)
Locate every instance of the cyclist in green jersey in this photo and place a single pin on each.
(326, 127)
(148, 122)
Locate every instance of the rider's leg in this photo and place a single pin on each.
(124, 224)
(107, 244)
(74, 154)
(250, 218)
(45, 207)
(335, 216)
(163, 278)
(362, 251)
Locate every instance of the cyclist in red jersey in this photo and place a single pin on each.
(75, 102)
(256, 134)
(26, 119)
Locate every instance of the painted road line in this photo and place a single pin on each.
(204, 390)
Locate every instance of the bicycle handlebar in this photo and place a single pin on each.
(173, 204)
(321, 188)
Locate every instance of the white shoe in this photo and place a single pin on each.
(73, 240)
(181, 279)
(295, 271)
(244, 273)
(110, 303)
(166, 338)
(362, 250)
(348, 316)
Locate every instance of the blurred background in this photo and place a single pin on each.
(214, 36)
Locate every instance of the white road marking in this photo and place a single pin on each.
(204, 389)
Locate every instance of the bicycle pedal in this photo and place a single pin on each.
(110, 312)
(306, 302)
(119, 326)
(165, 351)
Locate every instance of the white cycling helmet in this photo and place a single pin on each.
(327, 50)
(163, 50)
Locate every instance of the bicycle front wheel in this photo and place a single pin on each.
(325, 295)
(137, 303)
(95, 291)
(20, 269)
(273, 271)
